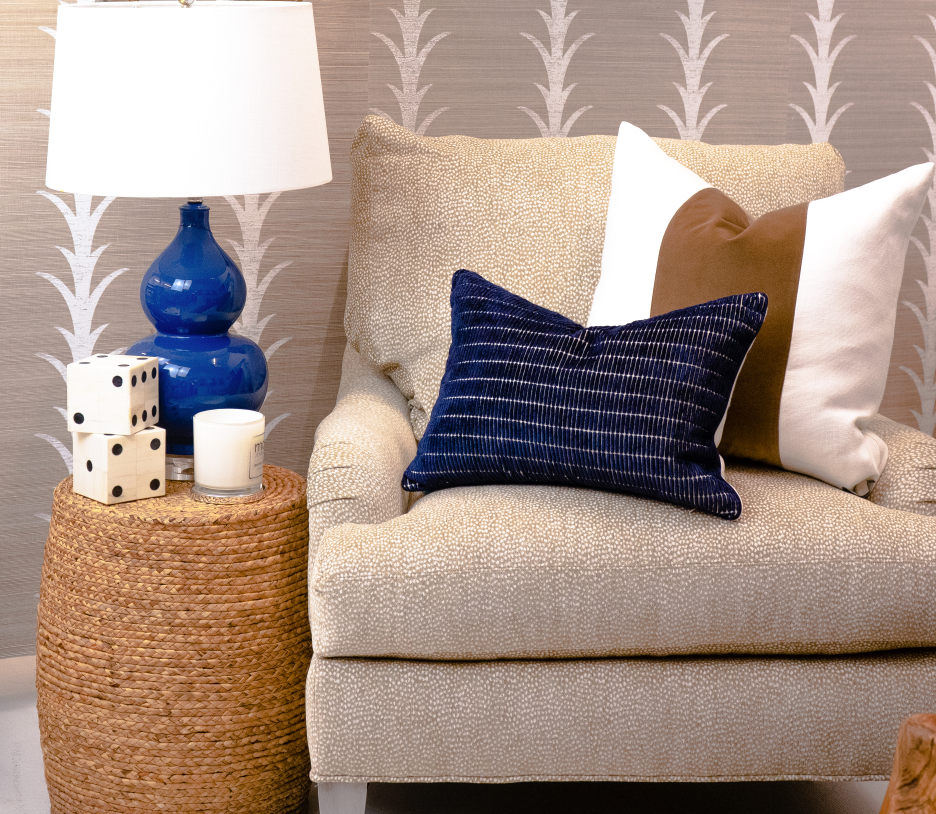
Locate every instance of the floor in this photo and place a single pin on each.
(22, 785)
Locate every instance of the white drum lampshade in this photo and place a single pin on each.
(216, 98)
(155, 99)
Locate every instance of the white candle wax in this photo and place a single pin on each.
(229, 451)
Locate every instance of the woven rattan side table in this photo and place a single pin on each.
(173, 644)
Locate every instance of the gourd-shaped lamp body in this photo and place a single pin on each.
(193, 293)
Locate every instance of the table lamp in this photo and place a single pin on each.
(187, 101)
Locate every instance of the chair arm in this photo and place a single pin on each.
(361, 450)
(908, 481)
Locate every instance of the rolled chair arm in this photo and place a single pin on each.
(908, 481)
(361, 451)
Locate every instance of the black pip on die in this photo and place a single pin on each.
(113, 394)
(118, 468)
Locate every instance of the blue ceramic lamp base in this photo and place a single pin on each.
(193, 293)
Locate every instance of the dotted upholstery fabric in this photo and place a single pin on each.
(908, 481)
(725, 718)
(548, 571)
(561, 572)
(676, 718)
(421, 209)
(763, 178)
(361, 451)
(526, 214)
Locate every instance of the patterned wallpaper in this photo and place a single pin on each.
(71, 271)
(858, 73)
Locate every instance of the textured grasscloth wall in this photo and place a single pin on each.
(853, 72)
(295, 307)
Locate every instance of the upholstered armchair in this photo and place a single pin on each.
(533, 632)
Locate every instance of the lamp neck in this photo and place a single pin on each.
(194, 214)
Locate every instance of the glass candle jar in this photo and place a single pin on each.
(228, 452)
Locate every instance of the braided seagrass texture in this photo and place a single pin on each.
(172, 647)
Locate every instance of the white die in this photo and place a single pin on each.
(118, 468)
(113, 394)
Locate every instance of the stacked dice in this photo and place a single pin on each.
(112, 406)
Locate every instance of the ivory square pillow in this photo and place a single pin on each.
(831, 269)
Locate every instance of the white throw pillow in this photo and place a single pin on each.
(831, 270)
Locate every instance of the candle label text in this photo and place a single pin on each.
(256, 457)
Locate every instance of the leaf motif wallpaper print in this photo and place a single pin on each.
(81, 300)
(59, 304)
(250, 251)
(731, 71)
(693, 59)
(410, 61)
(820, 124)
(556, 60)
(925, 381)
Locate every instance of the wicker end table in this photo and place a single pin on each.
(173, 644)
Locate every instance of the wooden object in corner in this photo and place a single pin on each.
(912, 788)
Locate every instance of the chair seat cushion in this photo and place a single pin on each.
(484, 572)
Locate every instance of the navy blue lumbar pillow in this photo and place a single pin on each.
(529, 396)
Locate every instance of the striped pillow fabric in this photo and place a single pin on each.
(529, 396)
(832, 270)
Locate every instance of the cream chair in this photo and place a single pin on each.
(518, 633)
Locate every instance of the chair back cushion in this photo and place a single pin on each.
(526, 214)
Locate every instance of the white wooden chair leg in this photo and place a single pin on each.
(342, 798)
